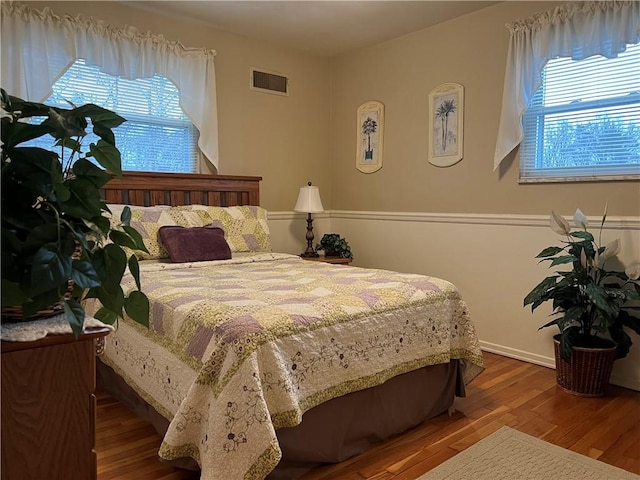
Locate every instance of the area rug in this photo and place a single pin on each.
(511, 455)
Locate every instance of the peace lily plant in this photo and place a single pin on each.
(592, 302)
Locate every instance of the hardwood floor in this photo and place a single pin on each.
(509, 392)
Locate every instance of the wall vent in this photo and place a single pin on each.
(269, 82)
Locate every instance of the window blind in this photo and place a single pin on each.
(157, 135)
(584, 120)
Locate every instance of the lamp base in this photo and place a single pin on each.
(309, 252)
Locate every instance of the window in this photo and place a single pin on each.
(584, 120)
(157, 135)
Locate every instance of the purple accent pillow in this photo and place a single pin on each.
(194, 244)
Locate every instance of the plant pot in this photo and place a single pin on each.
(586, 373)
(13, 314)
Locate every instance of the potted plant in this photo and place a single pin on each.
(334, 246)
(593, 306)
(58, 244)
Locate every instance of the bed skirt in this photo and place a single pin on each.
(338, 429)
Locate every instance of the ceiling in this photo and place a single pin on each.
(326, 28)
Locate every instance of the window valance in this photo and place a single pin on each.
(39, 46)
(577, 30)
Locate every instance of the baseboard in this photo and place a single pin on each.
(525, 356)
(626, 382)
(550, 362)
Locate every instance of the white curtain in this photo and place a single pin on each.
(39, 46)
(576, 30)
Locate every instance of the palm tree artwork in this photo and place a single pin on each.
(369, 126)
(446, 121)
(446, 108)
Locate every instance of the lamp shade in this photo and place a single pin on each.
(309, 200)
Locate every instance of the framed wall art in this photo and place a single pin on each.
(446, 119)
(370, 124)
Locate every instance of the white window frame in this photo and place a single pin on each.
(188, 162)
(577, 30)
(532, 147)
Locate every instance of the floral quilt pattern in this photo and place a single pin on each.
(241, 347)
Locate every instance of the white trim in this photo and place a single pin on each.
(529, 357)
(612, 223)
(295, 215)
(584, 178)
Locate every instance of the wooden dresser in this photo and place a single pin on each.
(48, 408)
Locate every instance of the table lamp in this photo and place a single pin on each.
(309, 202)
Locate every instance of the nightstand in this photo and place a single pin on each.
(334, 260)
(48, 407)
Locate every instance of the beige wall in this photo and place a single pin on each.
(478, 228)
(282, 139)
(470, 50)
(311, 135)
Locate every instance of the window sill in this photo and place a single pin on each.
(584, 178)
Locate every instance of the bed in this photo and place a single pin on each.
(264, 364)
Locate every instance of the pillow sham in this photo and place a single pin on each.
(245, 227)
(195, 244)
(148, 220)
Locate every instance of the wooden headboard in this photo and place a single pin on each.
(151, 188)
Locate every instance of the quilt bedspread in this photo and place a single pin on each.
(259, 341)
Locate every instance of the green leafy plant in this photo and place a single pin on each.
(334, 246)
(590, 301)
(55, 226)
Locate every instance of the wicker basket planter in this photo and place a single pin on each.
(12, 314)
(586, 373)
